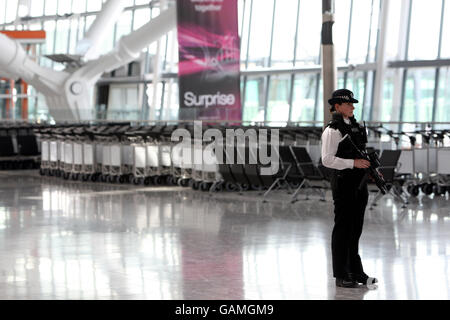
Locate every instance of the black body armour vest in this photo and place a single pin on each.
(345, 149)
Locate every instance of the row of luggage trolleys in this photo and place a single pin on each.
(123, 154)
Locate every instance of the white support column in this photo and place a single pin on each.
(329, 69)
(381, 61)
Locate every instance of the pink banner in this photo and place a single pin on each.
(209, 60)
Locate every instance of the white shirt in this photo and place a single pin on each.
(330, 142)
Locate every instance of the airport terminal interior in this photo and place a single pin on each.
(172, 150)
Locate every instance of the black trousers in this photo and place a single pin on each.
(349, 207)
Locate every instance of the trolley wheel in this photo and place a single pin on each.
(122, 179)
(245, 186)
(85, 177)
(428, 189)
(205, 186)
(183, 182)
(423, 186)
(42, 172)
(294, 184)
(147, 181)
(439, 190)
(74, 176)
(415, 191)
(256, 187)
(218, 187)
(103, 178)
(157, 180)
(112, 179)
(66, 175)
(196, 185)
(230, 186)
(94, 177)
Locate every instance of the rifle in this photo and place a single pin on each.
(372, 171)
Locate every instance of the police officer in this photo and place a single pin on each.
(349, 196)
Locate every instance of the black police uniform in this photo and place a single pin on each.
(350, 201)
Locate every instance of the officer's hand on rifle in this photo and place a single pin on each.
(361, 164)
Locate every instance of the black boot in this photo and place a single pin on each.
(346, 282)
(363, 278)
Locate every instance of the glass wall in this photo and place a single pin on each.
(275, 35)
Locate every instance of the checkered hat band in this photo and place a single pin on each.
(342, 97)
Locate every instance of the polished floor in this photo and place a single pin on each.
(74, 240)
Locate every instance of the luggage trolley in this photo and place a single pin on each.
(44, 134)
(153, 157)
(137, 142)
(183, 161)
(55, 145)
(165, 146)
(89, 166)
(112, 154)
(197, 163)
(78, 152)
(8, 150)
(99, 138)
(27, 147)
(67, 161)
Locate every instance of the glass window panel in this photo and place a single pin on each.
(128, 3)
(80, 31)
(244, 31)
(171, 106)
(35, 26)
(94, 5)
(445, 47)
(253, 109)
(374, 30)
(261, 25)
(419, 91)
(123, 26)
(388, 98)
(240, 12)
(355, 83)
(172, 52)
(78, 6)
(50, 7)
(141, 17)
(123, 102)
(37, 8)
(392, 37)
(49, 27)
(11, 10)
(2, 11)
(360, 31)
(319, 109)
(443, 103)
(340, 29)
(73, 35)
(303, 101)
(89, 20)
(309, 32)
(424, 31)
(278, 104)
(284, 33)
(62, 36)
(64, 6)
(152, 47)
(138, 2)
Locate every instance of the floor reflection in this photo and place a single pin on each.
(70, 240)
